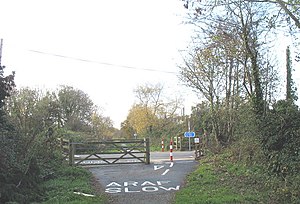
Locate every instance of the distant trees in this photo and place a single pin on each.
(150, 96)
(153, 115)
(76, 108)
(102, 126)
(141, 119)
(34, 111)
(153, 96)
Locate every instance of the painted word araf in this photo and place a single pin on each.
(135, 187)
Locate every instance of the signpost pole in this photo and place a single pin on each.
(189, 128)
(189, 135)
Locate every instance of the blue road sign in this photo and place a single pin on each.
(189, 134)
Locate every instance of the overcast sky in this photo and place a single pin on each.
(105, 48)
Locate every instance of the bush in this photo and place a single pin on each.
(24, 167)
(281, 139)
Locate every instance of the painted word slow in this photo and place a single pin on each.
(136, 187)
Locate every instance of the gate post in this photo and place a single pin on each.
(147, 147)
(180, 141)
(176, 142)
(71, 152)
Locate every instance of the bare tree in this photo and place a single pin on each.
(228, 64)
(152, 97)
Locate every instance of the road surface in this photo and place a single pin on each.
(140, 183)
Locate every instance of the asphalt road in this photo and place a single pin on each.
(140, 183)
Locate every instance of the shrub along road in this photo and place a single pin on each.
(140, 183)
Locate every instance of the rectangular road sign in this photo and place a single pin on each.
(189, 134)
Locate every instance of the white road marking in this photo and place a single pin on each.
(156, 167)
(84, 194)
(166, 171)
(171, 165)
(138, 187)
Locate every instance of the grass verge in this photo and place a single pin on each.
(220, 181)
(68, 180)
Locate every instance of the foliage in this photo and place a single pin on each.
(29, 127)
(78, 113)
(6, 85)
(291, 90)
(231, 125)
(102, 127)
(141, 119)
(154, 115)
(76, 108)
(27, 112)
(33, 111)
(127, 131)
(230, 67)
(281, 138)
(24, 166)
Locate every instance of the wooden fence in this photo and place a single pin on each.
(106, 152)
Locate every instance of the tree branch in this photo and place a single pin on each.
(288, 12)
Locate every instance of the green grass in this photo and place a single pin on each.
(216, 181)
(155, 148)
(68, 180)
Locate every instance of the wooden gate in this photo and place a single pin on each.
(109, 152)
